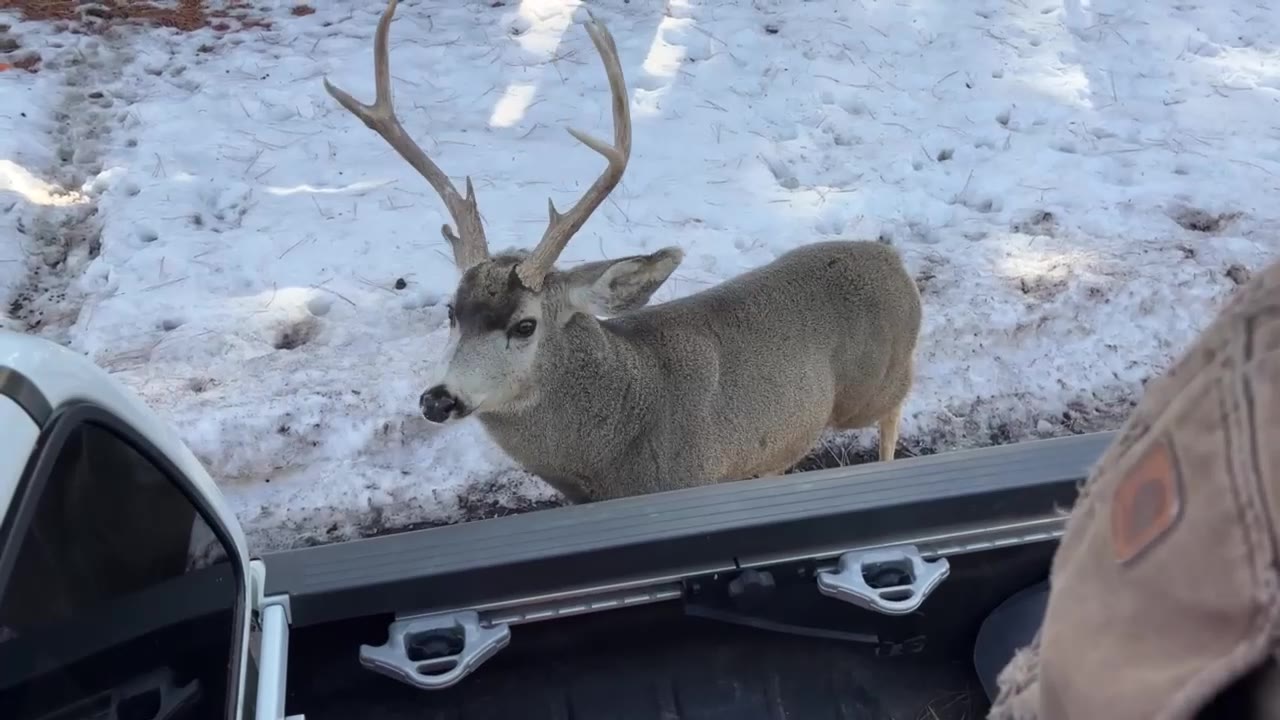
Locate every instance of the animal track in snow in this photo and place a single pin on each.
(224, 208)
(781, 172)
(294, 335)
(1238, 274)
(831, 221)
(66, 238)
(1121, 172)
(100, 99)
(1064, 146)
(1040, 222)
(978, 202)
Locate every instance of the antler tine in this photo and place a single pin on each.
(561, 227)
(469, 244)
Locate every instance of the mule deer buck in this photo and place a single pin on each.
(736, 381)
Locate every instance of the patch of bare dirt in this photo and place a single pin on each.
(185, 15)
(492, 499)
(1202, 221)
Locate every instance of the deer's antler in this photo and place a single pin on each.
(469, 244)
(562, 226)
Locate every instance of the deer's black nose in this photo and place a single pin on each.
(438, 404)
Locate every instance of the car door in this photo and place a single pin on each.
(122, 591)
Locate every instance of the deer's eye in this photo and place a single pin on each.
(524, 328)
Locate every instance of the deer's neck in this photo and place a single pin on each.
(591, 402)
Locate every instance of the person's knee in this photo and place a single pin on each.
(1164, 585)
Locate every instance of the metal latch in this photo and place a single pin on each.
(893, 580)
(435, 651)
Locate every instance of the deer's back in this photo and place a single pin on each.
(819, 295)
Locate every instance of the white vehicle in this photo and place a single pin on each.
(127, 589)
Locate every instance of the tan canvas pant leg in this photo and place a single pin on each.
(1164, 589)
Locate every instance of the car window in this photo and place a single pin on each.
(117, 599)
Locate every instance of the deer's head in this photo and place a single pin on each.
(507, 305)
(498, 325)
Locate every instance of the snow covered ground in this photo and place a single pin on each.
(1076, 186)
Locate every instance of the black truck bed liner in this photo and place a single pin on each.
(709, 672)
(672, 662)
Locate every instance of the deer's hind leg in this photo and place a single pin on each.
(889, 432)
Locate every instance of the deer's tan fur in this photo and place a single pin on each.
(736, 381)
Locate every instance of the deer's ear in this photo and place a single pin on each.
(609, 287)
